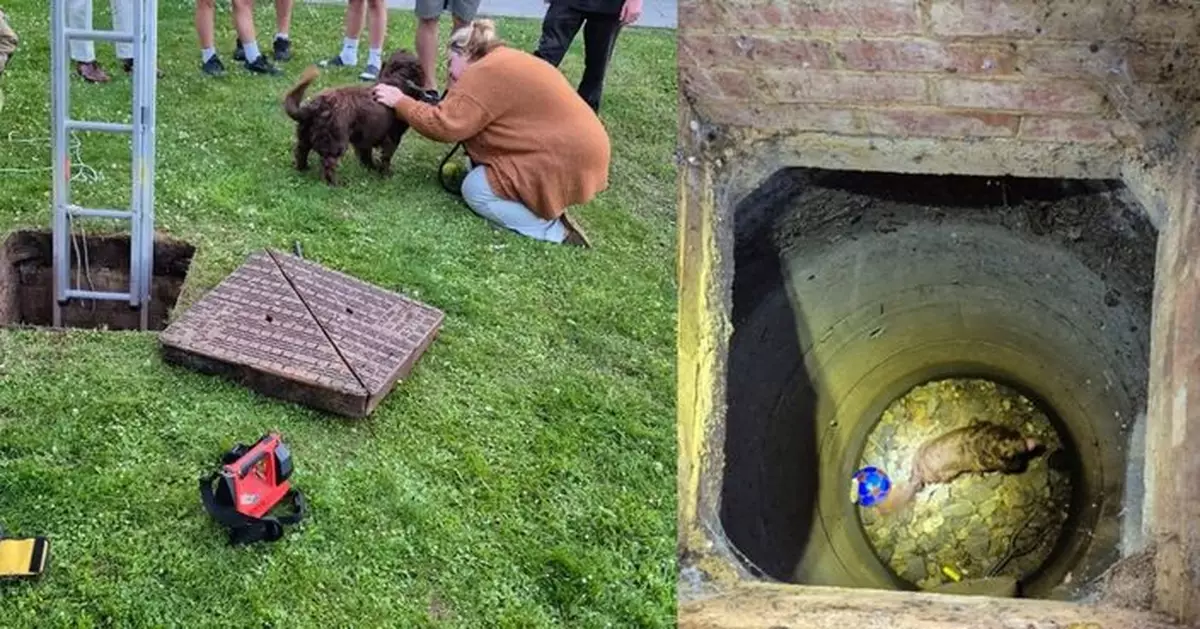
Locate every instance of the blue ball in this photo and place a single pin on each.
(873, 485)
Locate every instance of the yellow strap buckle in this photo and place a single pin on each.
(21, 558)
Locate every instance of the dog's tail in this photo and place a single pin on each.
(294, 96)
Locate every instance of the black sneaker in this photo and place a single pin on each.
(335, 62)
(127, 65)
(213, 67)
(370, 74)
(283, 49)
(262, 66)
(239, 53)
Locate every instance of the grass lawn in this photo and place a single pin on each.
(522, 477)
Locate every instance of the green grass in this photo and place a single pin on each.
(522, 477)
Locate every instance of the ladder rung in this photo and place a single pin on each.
(75, 210)
(83, 34)
(105, 127)
(101, 296)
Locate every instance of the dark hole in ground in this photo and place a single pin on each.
(961, 191)
(27, 280)
(850, 288)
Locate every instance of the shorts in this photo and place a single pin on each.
(462, 9)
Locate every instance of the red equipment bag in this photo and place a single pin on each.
(252, 481)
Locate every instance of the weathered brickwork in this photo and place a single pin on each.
(1026, 70)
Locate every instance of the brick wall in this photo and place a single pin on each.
(1024, 70)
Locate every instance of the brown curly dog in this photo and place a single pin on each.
(338, 117)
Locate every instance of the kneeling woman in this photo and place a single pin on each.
(535, 146)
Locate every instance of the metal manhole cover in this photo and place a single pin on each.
(292, 329)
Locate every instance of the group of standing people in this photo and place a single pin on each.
(535, 145)
(600, 21)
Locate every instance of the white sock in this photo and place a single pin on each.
(282, 36)
(252, 52)
(207, 54)
(375, 57)
(349, 51)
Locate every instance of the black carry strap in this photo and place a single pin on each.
(244, 529)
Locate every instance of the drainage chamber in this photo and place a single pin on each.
(874, 311)
(100, 263)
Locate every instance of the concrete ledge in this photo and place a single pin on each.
(934, 156)
(768, 606)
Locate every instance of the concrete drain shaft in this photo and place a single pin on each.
(863, 286)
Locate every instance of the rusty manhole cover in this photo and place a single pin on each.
(292, 329)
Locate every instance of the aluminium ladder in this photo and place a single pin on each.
(141, 214)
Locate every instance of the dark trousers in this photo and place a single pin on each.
(559, 28)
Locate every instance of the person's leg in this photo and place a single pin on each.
(356, 14)
(356, 18)
(559, 27)
(243, 25)
(83, 53)
(377, 32)
(282, 47)
(428, 12)
(122, 21)
(599, 38)
(247, 49)
(463, 11)
(508, 214)
(122, 11)
(79, 15)
(210, 62)
(283, 17)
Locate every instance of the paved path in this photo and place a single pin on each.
(655, 13)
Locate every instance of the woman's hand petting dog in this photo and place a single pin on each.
(388, 95)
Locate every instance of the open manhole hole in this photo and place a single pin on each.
(98, 263)
(874, 311)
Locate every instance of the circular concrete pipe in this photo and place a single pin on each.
(850, 298)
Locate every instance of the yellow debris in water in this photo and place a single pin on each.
(952, 573)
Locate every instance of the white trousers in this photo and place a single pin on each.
(79, 15)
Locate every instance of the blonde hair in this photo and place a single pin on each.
(475, 39)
